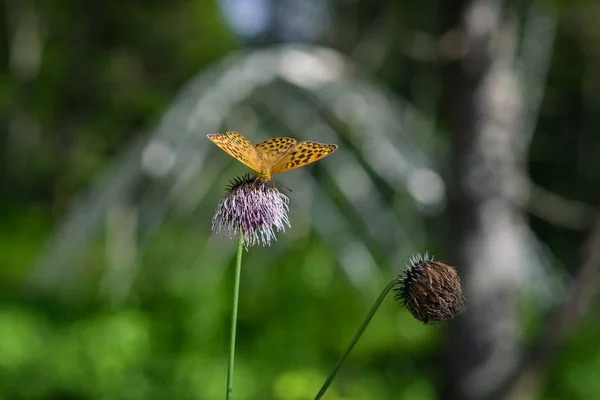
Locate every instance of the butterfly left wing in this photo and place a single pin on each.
(301, 154)
(238, 147)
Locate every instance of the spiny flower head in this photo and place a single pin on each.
(253, 208)
(431, 290)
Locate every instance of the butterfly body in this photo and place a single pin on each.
(271, 156)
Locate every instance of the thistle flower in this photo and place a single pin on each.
(254, 208)
(431, 290)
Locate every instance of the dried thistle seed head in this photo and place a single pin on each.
(431, 290)
(254, 208)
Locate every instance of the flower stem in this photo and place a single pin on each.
(357, 336)
(236, 292)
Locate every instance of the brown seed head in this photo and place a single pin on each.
(431, 290)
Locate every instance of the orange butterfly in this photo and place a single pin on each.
(271, 156)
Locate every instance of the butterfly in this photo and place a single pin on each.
(271, 156)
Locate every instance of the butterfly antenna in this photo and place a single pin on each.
(282, 185)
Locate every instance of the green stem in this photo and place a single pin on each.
(357, 336)
(236, 292)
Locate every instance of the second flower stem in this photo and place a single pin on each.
(236, 293)
(355, 338)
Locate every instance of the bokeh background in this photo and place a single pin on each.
(467, 128)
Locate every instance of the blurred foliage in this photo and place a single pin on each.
(107, 71)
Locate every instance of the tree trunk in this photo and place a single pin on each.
(483, 112)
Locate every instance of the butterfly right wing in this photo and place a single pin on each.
(238, 147)
(301, 154)
(271, 150)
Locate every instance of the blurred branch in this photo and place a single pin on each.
(529, 377)
(535, 56)
(559, 211)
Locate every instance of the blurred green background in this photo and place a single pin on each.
(112, 286)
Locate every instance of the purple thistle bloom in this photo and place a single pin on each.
(253, 208)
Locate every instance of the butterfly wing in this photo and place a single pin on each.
(271, 150)
(301, 154)
(238, 147)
